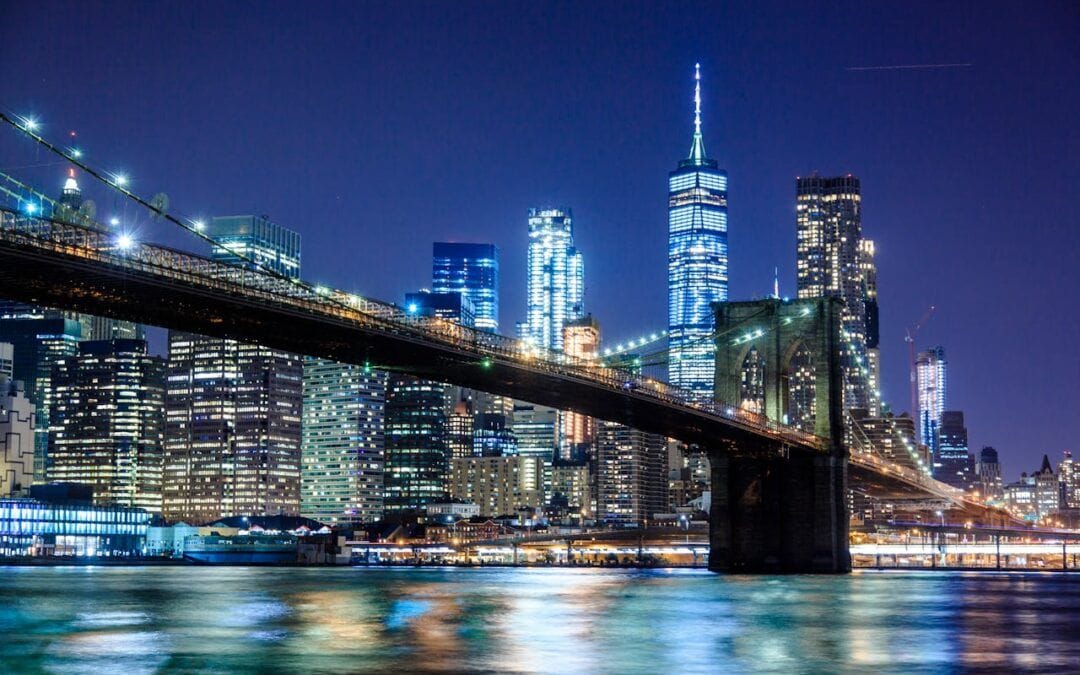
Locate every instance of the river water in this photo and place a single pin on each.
(185, 619)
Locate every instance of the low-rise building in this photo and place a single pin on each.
(499, 485)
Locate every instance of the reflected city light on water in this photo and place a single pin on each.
(132, 620)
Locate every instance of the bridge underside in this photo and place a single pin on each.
(71, 283)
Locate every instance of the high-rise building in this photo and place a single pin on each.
(953, 464)
(1069, 476)
(233, 410)
(499, 485)
(873, 328)
(232, 429)
(417, 455)
(1047, 490)
(16, 436)
(255, 240)
(105, 422)
(473, 271)
(556, 278)
(536, 429)
(930, 386)
(342, 450)
(895, 438)
(449, 306)
(459, 431)
(581, 339)
(989, 470)
(632, 475)
(38, 344)
(491, 437)
(697, 261)
(833, 261)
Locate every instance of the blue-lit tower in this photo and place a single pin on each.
(697, 261)
(473, 271)
(556, 284)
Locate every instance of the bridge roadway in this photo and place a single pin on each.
(86, 269)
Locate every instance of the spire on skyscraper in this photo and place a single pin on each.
(697, 149)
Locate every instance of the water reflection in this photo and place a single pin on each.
(134, 620)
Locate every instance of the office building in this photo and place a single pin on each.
(341, 473)
(873, 327)
(697, 261)
(556, 278)
(581, 340)
(989, 471)
(39, 528)
(632, 475)
(105, 423)
(233, 410)
(459, 431)
(473, 271)
(1069, 476)
(536, 429)
(895, 439)
(569, 491)
(832, 260)
(499, 485)
(491, 437)
(930, 386)
(16, 435)
(953, 464)
(417, 455)
(450, 306)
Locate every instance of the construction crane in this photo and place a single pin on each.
(910, 339)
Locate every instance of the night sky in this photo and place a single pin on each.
(376, 129)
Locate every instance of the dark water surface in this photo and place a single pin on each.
(183, 619)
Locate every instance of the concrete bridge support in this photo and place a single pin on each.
(779, 515)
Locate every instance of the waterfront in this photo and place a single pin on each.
(138, 620)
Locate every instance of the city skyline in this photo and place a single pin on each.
(602, 244)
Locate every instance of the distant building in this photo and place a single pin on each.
(989, 472)
(233, 410)
(491, 437)
(16, 437)
(895, 438)
(450, 306)
(581, 339)
(953, 464)
(873, 327)
(105, 422)
(535, 428)
(833, 260)
(1069, 476)
(931, 388)
(632, 474)
(697, 261)
(342, 444)
(473, 271)
(499, 485)
(459, 431)
(38, 528)
(38, 344)
(417, 456)
(1036, 496)
(556, 278)
(569, 493)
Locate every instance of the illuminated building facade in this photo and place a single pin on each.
(105, 423)
(30, 527)
(499, 485)
(491, 436)
(1069, 476)
(930, 383)
(459, 431)
(473, 271)
(16, 435)
(632, 474)
(233, 410)
(417, 455)
(450, 306)
(953, 464)
(832, 260)
(556, 278)
(341, 476)
(873, 327)
(37, 345)
(581, 339)
(989, 470)
(697, 261)
(240, 239)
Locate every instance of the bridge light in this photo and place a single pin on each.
(125, 241)
(198, 225)
(76, 153)
(31, 208)
(653, 337)
(114, 221)
(29, 123)
(486, 363)
(412, 308)
(120, 179)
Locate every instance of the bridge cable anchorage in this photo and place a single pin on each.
(485, 346)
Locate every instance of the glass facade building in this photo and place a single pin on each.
(473, 271)
(105, 422)
(417, 452)
(953, 464)
(29, 527)
(930, 382)
(697, 262)
(258, 239)
(834, 260)
(342, 451)
(555, 291)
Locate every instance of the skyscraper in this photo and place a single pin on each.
(930, 385)
(417, 455)
(953, 464)
(697, 261)
(833, 261)
(473, 271)
(342, 450)
(581, 339)
(989, 470)
(873, 330)
(632, 475)
(556, 282)
(233, 410)
(105, 422)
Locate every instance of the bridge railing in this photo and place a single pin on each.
(100, 245)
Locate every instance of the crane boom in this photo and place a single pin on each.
(910, 339)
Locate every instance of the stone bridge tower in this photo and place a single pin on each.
(776, 507)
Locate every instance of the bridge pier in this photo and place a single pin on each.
(779, 514)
